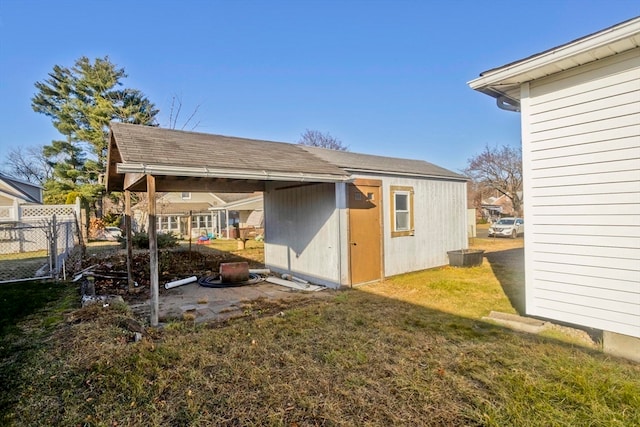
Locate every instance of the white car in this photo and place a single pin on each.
(114, 232)
(507, 227)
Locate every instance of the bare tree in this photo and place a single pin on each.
(29, 164)
(174, 114)
(315, 138)
(499, 168)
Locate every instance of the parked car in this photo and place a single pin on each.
(507, 227)
(114, 232)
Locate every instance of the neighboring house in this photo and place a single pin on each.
(334, 218)
(211, 213)
(15, 193)
(580, 112)
(496, 207)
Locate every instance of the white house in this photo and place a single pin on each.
(14, 194)
(580, 115)
(208, 213)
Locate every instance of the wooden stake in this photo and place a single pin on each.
(127, 231)
(153, 250)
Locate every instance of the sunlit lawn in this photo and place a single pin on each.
(410, 351)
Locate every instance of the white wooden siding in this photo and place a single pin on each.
(302, 234)
(440, 221)
(581, 154)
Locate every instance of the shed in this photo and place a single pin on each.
(333, 218)
(580, 115)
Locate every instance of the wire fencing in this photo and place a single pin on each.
(37, 247)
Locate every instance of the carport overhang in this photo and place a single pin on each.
(207, 179)
(149, 177)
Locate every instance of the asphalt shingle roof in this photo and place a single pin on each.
(356, 162)
(145, 145)
(152, 145)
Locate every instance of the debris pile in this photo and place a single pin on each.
(109, 271)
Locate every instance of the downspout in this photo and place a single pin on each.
(507, 104)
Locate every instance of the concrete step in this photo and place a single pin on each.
(516, 322)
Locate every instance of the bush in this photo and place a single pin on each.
(141, 240)
(112, 219)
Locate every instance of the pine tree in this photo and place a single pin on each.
(81, 102)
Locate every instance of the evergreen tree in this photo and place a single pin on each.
(81, 102)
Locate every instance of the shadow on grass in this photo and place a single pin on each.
(21, 299)
(508, 267)
(353, 359)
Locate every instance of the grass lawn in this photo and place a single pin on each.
(21, 265)
(410, 351)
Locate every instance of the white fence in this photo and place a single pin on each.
(37, 244)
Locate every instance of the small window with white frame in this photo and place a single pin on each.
(401, 211)
(186, 195)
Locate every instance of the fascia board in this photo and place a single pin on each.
(244, 202)
(204, 172)
(547, 59)
(408, 174)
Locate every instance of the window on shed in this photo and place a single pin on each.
(186, 195)
(401, 211)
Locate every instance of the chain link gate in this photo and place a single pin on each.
(36, 248)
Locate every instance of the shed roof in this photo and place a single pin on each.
(506, 80)
(218, 163)
(367, 163)
(166, 152)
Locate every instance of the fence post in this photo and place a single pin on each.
(54, 246)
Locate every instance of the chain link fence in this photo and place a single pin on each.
(37, 248)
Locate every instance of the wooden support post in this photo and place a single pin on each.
(127, 231)
(153, 250)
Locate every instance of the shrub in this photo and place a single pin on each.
(166, 240)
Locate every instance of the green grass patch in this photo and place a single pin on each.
(29, 313)
(24, 255)
(469, 292)
(22, 299)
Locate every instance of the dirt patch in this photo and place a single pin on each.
(110, 269)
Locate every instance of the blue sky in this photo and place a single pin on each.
(385, 77)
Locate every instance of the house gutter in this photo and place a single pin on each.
(548, 58)
(204, 172)
(409, 174)
(581, 51)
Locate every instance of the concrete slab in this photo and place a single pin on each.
(217, 303)
(518, 323)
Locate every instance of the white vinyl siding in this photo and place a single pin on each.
(581, 153)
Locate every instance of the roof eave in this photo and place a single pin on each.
(205, 172)
(522, 71)
(410, 174)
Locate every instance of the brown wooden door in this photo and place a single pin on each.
(365, 255)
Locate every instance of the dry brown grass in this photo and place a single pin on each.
(411, 351)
